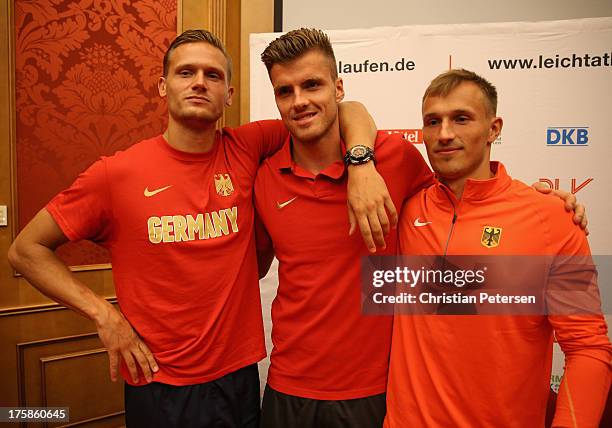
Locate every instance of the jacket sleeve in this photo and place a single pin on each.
(580, 329)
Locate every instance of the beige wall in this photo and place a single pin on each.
(342, 14)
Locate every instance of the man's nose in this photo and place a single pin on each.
(447, 131)
(199, 81)
(300, 100)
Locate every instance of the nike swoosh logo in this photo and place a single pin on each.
(418, 222)
(280, 206)
(148, 193)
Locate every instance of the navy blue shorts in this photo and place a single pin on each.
(287, 411)
(231, 401)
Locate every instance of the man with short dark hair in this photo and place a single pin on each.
(329, 362)
(493, 370)
(176, 213)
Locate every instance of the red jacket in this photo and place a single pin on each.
(486, 370)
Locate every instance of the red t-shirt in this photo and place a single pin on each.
(493, 370)
(324, 348)
(179, 227)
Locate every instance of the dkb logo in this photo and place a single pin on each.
(567, 136)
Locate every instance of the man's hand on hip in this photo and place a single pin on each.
(121, 341)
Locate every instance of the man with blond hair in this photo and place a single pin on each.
(493, 370)
(176, 213)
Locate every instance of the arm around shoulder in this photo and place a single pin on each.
(369, 202)
(261, 139)
(357, 126)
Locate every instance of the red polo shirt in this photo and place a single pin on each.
(324, 348)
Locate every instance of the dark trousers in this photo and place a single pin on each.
(287, 411)
(231, 401)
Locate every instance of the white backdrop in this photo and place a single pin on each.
(554, 79)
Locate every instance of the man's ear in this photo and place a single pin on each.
(229, 96)
(339, 89)
(495, 128)
(161, 86)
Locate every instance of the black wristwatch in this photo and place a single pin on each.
(358, 155)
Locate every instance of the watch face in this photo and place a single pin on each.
(358, 152)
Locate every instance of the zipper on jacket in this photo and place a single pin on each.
(450, 232)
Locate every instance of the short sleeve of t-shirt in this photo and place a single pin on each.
(82, 210)
(261, 139)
